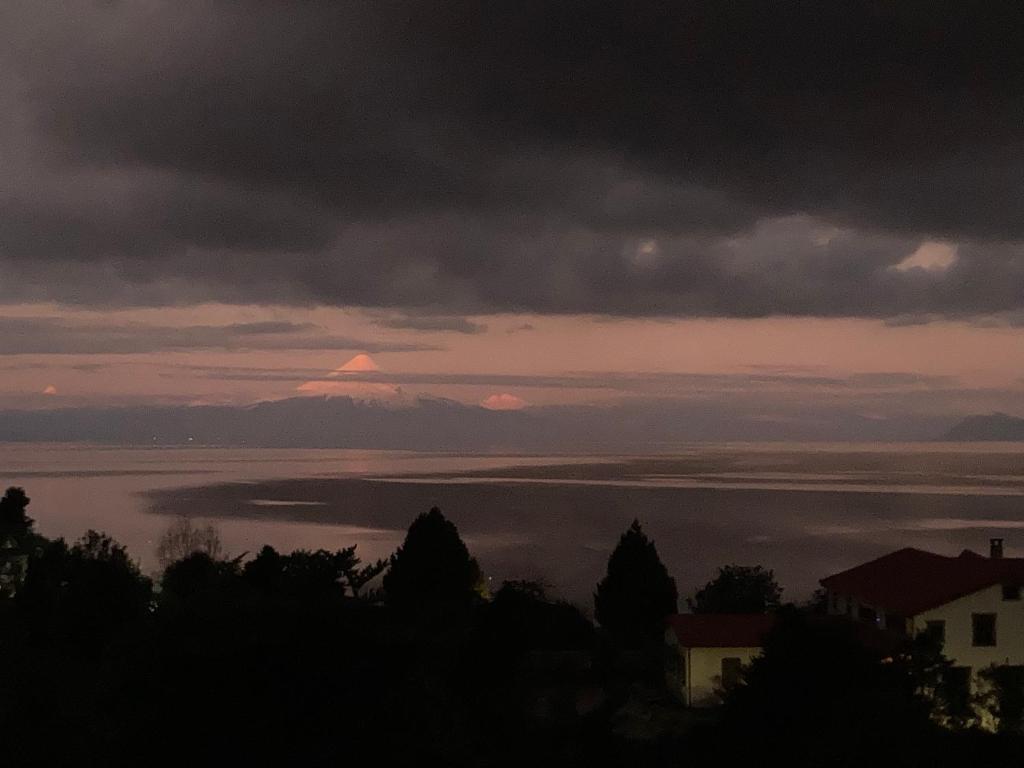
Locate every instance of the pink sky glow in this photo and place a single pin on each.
(512, 360)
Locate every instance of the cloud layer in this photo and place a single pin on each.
(700, 159)
(56, 336)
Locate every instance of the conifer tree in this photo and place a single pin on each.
(432, 568)
(637, 593)
(14, 523)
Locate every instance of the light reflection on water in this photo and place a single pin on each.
(755, 485)
(806, 510)
(77, 487)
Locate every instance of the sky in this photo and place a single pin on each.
(514, 204)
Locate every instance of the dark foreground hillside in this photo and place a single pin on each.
(316, 659)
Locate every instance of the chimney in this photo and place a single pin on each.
(995, 548)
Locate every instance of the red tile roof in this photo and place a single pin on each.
(909, 581)
(721, 630)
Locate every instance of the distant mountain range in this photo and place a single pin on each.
(430, 424)
(299, 422)
(990, 427)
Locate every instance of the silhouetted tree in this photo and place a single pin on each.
(525, 668)
(1004, 697)
(311, 573)
(817, 602)
(14, 523)
(199, 575)
(738, 589)
(432, 568)
(358, 577)
(317, 572)
(521, 617)
(17, 540)
(936, 678)
(182, 538)
(92, 587)
(521, 590)
(636, 595)
(820, 695)
(265, 571)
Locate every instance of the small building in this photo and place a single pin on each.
(970, 603)
(707, 652)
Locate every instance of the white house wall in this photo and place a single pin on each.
(959, 647)
(704, 672)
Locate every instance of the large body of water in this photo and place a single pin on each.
(804, 510)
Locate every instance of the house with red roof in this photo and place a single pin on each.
(971, 603)
(708, 652)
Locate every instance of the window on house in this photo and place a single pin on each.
(868, 615)
(732, 668)
(1011, 591)
(936, 631)
(983, 629)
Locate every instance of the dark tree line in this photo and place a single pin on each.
(315, 658)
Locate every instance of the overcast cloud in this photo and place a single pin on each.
(689, 159)
(55, 336)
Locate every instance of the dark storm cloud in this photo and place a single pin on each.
(55, 336)
(454, 324)
(742, 159)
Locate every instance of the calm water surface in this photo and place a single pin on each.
(805, 510)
